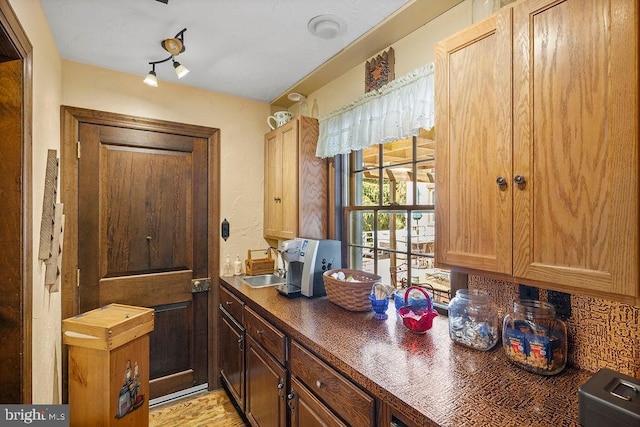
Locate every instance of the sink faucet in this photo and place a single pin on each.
(281, 272)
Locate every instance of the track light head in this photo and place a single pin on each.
(181, 70)
(151, 79)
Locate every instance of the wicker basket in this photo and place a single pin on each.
(352, 296)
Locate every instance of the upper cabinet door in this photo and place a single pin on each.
(575, 143)
(290, 186)
(272, 184)
(281, 182)
(295, 202)
(473, 125)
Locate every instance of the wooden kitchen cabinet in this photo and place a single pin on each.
(295, 197)
(318, 394)
(307, 410)
(335, 397)
(265, 373)
(388, 417)
(537, 122)
(232, 344)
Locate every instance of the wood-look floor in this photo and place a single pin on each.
(203, 410)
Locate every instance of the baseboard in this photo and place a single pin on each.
(178, 395)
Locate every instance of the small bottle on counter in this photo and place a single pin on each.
(227, 267)
(534, 339)
(237, 266)
(473, 320)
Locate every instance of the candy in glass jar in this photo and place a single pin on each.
(534, 339)
(473, 320)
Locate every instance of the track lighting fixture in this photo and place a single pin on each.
(175, 46)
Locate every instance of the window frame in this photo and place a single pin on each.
(353, 170)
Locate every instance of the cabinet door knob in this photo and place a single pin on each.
(519, 179)
(240, 342)
(319, 384)
(501, 181)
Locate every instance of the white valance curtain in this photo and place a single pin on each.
(395, 111)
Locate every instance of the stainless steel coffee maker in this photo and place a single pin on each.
(305, 260)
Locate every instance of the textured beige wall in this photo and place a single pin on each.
(411, 52)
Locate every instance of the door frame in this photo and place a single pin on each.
(14, 42)
(70, 119)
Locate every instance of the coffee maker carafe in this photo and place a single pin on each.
(305, 260)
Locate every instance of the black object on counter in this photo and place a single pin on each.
(609, 399)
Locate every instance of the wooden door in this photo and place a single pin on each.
(266, 387)
(576, 143)
(307, 411)
(473, 125)
(143, 237)
(13, 301)
(16, 228)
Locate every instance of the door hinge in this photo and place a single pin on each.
(78, 149)
(200, 285)
(78, 278)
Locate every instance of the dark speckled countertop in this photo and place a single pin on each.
(427, 378)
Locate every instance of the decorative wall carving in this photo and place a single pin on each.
(379, 71)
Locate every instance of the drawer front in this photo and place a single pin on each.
(232, 304)
(345, 398)
(268, 336)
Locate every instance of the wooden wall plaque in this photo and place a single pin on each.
(48, 205)
(53, 265)
(379, 71)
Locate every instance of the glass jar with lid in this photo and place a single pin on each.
(473, 319)
(534, 339)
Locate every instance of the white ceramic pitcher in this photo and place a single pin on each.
(280, 118)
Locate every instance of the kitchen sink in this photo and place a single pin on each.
(264, 280)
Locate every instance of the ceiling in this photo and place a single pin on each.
(257, 49)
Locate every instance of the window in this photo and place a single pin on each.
(389, 214)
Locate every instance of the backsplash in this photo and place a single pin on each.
(601, 333)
